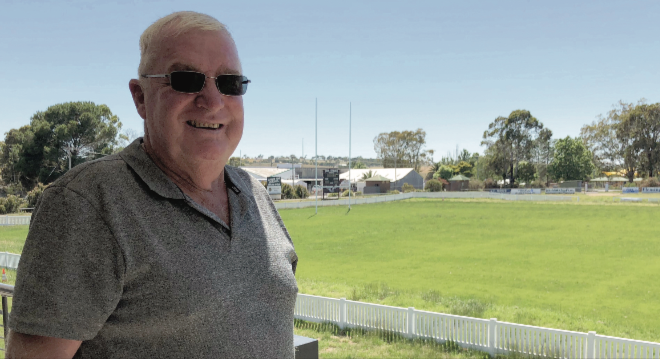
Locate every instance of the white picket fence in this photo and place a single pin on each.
(14, 220)
(491, 336)
(9, 260)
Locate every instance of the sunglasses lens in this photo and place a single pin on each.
(232, 85)
(189, 82)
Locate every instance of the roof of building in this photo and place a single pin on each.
(459, 178)
(264, 172)
(356, 174)
(377, 178)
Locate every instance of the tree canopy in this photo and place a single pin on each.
(72, 131)
(402, 149)
(572, 160)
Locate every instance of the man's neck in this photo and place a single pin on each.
(206, 186)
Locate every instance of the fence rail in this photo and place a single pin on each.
(491, 336)
(14, 220)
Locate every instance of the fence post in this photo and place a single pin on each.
(591, 344)
(342, 313)
(492, 349)
(411, 322)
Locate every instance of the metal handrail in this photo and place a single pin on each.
(6, 291)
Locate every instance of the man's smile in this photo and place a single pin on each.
(205, 126)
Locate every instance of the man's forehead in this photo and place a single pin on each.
(182, 66)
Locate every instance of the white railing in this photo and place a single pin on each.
(490, 336)
(402, 196)
(14, 220)
(9, 260)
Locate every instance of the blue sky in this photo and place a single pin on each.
(449, 68)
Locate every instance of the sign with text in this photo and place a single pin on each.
(501, 190)
(560, 191)
(630, 190)
(651, 190)
(331, 180)
(526, 191)
(274, 186)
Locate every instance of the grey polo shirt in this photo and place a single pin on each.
(118, 257)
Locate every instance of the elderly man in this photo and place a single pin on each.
(162, 250)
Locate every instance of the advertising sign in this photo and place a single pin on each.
(526, 191)
(274, 186)
(560, 191)
(501, 190)
(331, 180)
(630, 190)
(651, 190)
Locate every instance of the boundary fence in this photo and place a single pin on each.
(490, 336)
(14, 220)
(402, 196)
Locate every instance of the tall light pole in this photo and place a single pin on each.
(349, 155)
(316, 155)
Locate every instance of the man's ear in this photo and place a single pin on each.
(138, 97)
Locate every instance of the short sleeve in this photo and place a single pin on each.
(70, 275)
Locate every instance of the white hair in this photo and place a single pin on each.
(174, 25)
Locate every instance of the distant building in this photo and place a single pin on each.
(403, 175)
(377, 184)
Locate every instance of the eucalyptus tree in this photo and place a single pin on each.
(511, 140)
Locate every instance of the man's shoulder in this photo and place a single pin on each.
(107, 170)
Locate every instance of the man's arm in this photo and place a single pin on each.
(21, 346)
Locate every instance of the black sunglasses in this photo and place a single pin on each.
(193, 82)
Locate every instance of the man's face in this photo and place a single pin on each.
(169, 115)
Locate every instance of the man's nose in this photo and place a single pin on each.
(210, 98)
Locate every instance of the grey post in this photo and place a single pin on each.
(411, 322)
(342, 313)
(591, 345)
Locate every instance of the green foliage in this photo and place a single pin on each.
(75, 131)
(651, 182)
(33, 196)
(490, 183)
(408, 188)
(510, 140)
(445, 172)
(464, 168)
(538, 184)
(402, 149)
(234, 161)
(358, 165)
(10, 204)
(353, 194)
(526, 172)
(630, 184)
(475, 185)
(572, 160)
(367, 175)
(287, 191)
(395, 191)
(300, 191)
(433, 186)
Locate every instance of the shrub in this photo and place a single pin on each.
(433, 186)
(33, 196)
(475, 185)
(444, 172)
(10, 204)
(490, 183)
(300, 191)
(630, 185)
(651, 182)
(353, 193)
(396, 191)
(287, 191)
(538, 184)
(408, 188)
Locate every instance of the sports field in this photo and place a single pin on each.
(569, 266)
(587, 266)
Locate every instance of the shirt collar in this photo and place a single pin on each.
(148, 171)
(153, 176)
